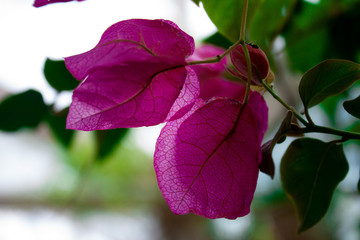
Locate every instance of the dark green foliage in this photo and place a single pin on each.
(310, 171)
(316, 32)
(57, 124)
(326, 79)
(58, 76)
(23, 110)
(219, 40)
(107, 140)
(353, 107)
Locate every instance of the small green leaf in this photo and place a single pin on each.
(326, 79)
(218, 39)
(26, 109)
(353, 107)
(310, 171)
(58, 76)
(107, 140)
(57, 124)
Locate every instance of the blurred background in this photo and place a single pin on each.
(67, 185)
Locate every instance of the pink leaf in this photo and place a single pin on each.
(134, 40)
(212, 76)
(260, 64)
(121, 98)
(207, 162)
(40, 3)
(135, 77)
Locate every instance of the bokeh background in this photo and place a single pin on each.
(62, 185)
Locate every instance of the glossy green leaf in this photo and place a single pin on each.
(107, 140)
(310, 171)
(58, 76)
(326, 79)
(24, 110)
(57, 124)
(227, 14)
(353, 107)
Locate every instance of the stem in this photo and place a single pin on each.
(218, 58)
(321, 129)
(270, 90)
(248, 63)
(241, 40)
(243, 21)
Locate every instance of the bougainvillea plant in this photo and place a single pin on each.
(209, 154)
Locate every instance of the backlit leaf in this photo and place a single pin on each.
(26, 109)
(310, 171)
(207, 161)
(326, 79)
(40, 3)
(136, 76)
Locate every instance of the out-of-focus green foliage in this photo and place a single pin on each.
(23, 110)
(58, 76)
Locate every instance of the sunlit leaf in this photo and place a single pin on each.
(58, 76)
(227, 14)
(310, 171)
(326, 79)
(353, 107)
(57, 124)
(26, 109)
(107, 140)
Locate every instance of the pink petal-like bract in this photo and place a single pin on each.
(260, 64)
(212, 76)
(207, 162)
(40, 3)
(135, 76)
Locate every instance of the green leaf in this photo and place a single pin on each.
(57, 124)
(271, 16)
(353, 107)
(310, 171)
(218, 39)
(26, 109)
(58, 76)
(326, 79)
(197, 2)
(227, 14)
(107, 140)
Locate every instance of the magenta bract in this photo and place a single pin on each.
(40, 3)
(134, 77)
(212, 76)
(207, 162)
(260, 64)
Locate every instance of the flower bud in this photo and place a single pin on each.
(260, 64)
